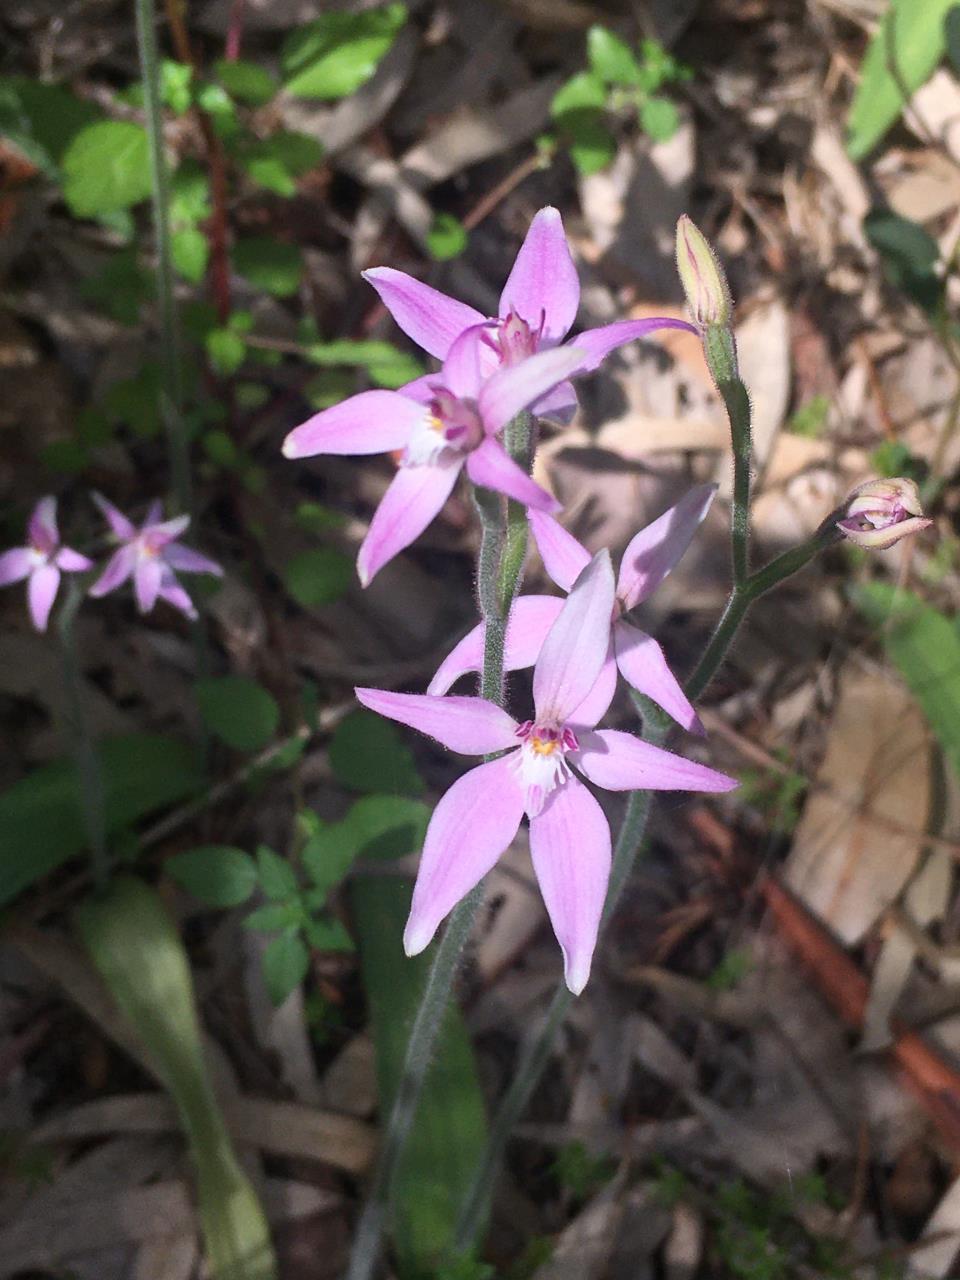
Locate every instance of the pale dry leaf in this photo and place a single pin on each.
(349, 1084)
(933, 113)
(763, 345)
(583, 1248)
(854, 849)
(683, 1248)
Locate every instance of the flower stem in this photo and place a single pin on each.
(171, 377)
(82, 746)
(499, 568)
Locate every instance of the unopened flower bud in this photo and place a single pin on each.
(881, 512)
(705, 285)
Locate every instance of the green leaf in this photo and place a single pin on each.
(238, 711)
(41, 816)
(376, 827)
(286, 962)
(189, 195)
(447, 237)
(328, 934)
(333, 56)
(277, 878)
(448, 1139)
(584, 91)
(909, 255)
(659, 119)
(270, 265)
(120, 287)
(42, 119)
(925, 647)
(592, 146)
(246, 81)
(611, 58)
(318, 577)
(811, 418)
(951, 36)
(902, 54)
(274, 916)
(176, 81)
(219, 106)
(138, 953)
(368, 754)
(190, 250)
(276, 162)
(385, 363)
(226, 349)
(105, 168)
(217, 874)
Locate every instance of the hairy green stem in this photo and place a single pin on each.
(82, 746)
(171, 375)
(498, 576)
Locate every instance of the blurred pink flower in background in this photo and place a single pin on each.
(41, 562)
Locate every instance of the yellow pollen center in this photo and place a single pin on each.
(542, 748)
(435, 423)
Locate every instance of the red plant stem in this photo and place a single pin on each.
(231, 48)
(218, 228)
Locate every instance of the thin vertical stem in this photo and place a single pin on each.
(171, 390)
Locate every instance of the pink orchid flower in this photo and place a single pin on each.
(152, 557)
(648, 559)
(538, 306)
(41, 562)
(569, 836)
(443, 423)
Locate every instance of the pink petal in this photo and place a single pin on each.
(514, 387)
(42, 530)
(576, 645)
(492, 467)
(564, 558)
(420, 389)
(597, 702)
(372, 422)
(559, 405)
(471, 726)
(620, 762)
(120, 526)
(643, 665)
(543, 284)
(71, 561)
(41, 593)
(467, 363)
(175, 595)
(147, 580)
(597, 344)
(470, 828)
(654, 551)
(15, 564)
(157, 534)
(186, 560)
(426, 315)
(118, 570)
(530, 619)
(415, 495)
(154, 514)
(570, 847)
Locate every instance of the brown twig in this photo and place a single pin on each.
(486, 204)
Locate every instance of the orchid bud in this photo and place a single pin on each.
(881, 512)
(702, 277)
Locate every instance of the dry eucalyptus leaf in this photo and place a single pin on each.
(854, 849)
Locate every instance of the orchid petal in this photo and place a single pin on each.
(597, 702)
(570, 847)
(147, 580)
(576, 646)
(514, 387)
(490, 466)
(543, 287)
(15, 565)
(41, 593)
(371, 422)
(118, 570)
(471, 826)
(530, 619)
(471, 726)
(465, 367)
(597, 344)
(175, 595)
(620, 762)
(421, 389)
(120, 526)
(559, 405)
(158, 534)
(564, 558)
(426, 315)
(154, 514)
(643, 665)
(186, 560)
(71, 561)
(414, 496)
(42, 531)
(654, 551)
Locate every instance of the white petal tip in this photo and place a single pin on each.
(548, 213)
(289, 448)
(575, 976)
(364, 575)
(416, 938)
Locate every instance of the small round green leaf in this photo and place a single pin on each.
(238, 711)
(659, 119)
(217, 874)
(106, 168)
(269, 264)
(276, 876)
(611, 58)
(246, 81)
(447, 238)
(285, 964)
